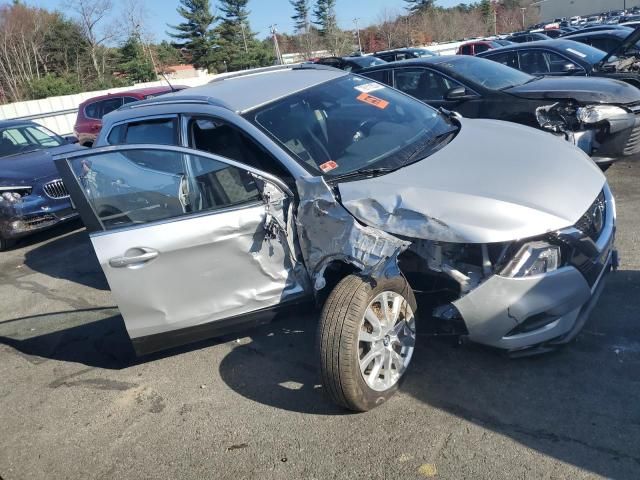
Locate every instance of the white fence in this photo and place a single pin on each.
(59, 113)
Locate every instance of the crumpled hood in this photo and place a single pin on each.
(494, 182)
(581, 89)
(23, 168)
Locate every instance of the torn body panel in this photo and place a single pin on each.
(328, 233)
(212, 268)
(604, 132)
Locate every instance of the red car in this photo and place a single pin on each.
(90, 112)
(475, 47)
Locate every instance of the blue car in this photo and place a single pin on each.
(32, 196)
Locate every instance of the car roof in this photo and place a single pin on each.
(134, 91)
(556, 44)
(15, 123)
(416, 61)
(619, 33)
(245, 91)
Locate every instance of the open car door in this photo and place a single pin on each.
(193, 245)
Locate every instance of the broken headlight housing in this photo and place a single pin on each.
(598, 113)
(533, 258)
(11, 197)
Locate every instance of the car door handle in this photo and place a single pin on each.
(127, 261)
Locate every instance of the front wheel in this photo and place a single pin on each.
(366, 338)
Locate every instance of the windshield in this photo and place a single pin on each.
(352, 124)
(423, 52)
(489, 74)
(368, 61)
(585, 52)
(26, 138)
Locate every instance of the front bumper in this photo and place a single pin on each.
(520, 313)
(32, 214)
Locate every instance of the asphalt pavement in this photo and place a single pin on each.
(76, 403)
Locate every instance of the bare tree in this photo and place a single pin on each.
(93, 16)
(388, 25)
(22, 36)
(136, 12)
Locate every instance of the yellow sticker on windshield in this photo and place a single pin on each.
(371, 100)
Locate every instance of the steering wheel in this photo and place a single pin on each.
(363, 130)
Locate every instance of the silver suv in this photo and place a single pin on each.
(211, 208)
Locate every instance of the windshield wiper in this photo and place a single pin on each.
(363, 173)
(430, 145)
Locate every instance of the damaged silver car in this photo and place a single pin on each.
(211, 208)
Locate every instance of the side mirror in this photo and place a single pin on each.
(71, 139)
(569, 67)
(456, 93)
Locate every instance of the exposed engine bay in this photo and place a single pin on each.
(600, 130)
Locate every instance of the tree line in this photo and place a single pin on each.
(48, 53)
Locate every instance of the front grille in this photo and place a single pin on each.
(633, 143)
(594, 219)
(56, 189)
(592, 224)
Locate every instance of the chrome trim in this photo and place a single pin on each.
(16, 187)
(55, 189)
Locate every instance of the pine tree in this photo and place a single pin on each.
(134, 63)
(237, 47)
(325, 16)
(196, 34)
(417, 6)
(301, 17)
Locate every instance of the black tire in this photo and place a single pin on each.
(6, 244)
(338, 340)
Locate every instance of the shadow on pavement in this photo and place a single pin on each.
(68, 257)
(578, 405)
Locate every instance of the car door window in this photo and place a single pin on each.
(220, 138)
(160, 131)
(466, 50)
(382, 76)
(401, 56)
(92, 110)
(510, 59)
(126, 188)
(41, 138)
(108, 106)
(534, 62)
(604, 44)
(481, 47)
(424, 84)
(557, 63)
(130, 100)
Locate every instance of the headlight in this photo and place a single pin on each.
(597, 113)
(532, 259)
(11, 197)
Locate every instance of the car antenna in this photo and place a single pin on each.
(168, 82)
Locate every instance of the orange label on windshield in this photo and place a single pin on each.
(371, 100)
(330, 165)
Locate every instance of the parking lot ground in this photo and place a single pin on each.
(75, 403)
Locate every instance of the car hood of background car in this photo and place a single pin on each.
(580, 89)
(25, 167)
(494, 182)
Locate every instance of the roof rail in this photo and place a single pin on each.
(274, 68)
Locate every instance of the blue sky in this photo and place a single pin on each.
(263, 12)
